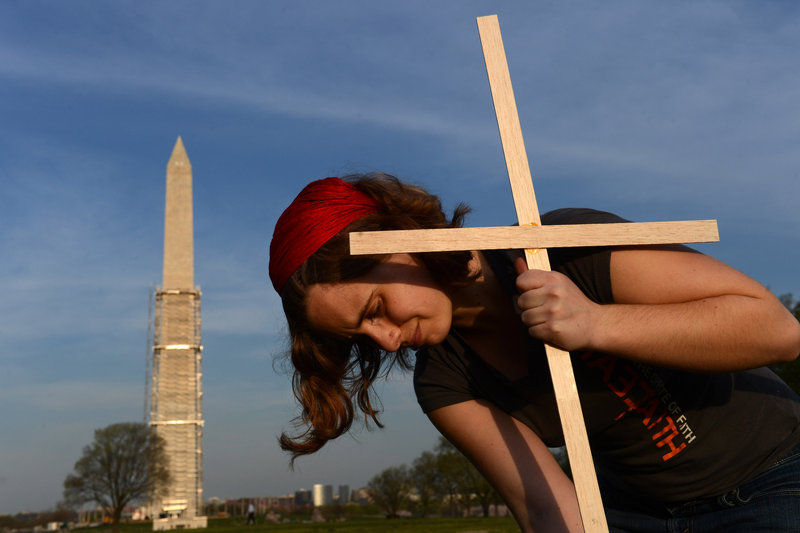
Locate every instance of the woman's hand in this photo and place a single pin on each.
(554, 309)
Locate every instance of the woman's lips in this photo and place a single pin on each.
(416, 341)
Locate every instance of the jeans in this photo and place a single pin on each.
(768, 503)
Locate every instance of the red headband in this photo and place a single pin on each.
(321, 210)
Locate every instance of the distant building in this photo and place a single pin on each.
(361, 496)
(283, 502)
(302, 497)
(323, 495)
(344, 494)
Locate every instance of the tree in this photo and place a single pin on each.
(790, 303)
(390, 489)
(449, 465)
(790, 371)
(461, 481)
(125, 463)
(424, 480)
(483, 491)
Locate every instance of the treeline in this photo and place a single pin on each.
(790, 372)
(30, 521)
(441, 481)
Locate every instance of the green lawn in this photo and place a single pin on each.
(410, 525)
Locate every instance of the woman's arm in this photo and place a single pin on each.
(673, 307)
(516, 462)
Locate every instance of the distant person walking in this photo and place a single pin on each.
(251, 515)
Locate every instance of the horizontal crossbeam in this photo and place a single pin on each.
(516, 237)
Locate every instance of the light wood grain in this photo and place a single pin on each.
(505, 107)
(589, 500)
(515, 237)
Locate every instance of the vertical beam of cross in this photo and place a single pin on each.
(566, 393)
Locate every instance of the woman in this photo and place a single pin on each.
(688, 430)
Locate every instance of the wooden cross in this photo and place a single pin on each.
(534, 238)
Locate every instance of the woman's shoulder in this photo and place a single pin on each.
(579, 215)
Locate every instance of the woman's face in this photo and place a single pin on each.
(397, 304)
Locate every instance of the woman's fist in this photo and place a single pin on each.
(554, 309)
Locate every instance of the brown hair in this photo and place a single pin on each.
(333, 377)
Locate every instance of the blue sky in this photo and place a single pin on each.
(654, 110)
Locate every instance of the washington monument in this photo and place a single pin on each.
(176, 410)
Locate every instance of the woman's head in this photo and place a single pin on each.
(322, 209)
(309, 255)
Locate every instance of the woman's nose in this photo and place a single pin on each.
(387, 336)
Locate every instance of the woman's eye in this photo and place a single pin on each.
(376, 312)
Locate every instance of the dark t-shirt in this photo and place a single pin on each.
(655, 433)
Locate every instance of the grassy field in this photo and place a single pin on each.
(410, 525)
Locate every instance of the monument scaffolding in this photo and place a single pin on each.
(176, 395)
(176, 403)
